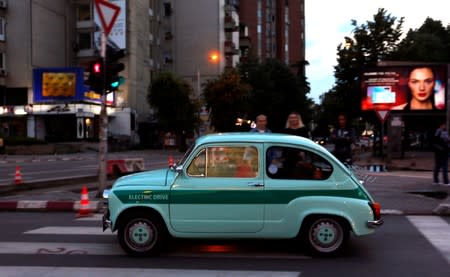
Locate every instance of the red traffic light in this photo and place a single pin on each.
(97, 67)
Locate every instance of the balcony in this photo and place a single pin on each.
(168, 35)
(230, 48)
(87, 26)
(230, 24)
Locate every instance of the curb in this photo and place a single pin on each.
(442, 209)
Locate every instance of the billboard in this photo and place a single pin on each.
(61, 84)
(406, 88)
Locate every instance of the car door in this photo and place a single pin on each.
(221, 190)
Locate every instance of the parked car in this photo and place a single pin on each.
(246, 186)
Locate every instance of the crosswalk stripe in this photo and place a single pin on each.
(60, 248)
(113, 249)
(435, 230)
(9, 271)
(69, 230)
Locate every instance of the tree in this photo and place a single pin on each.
(276, 91)
(171, 100)
(429, 43)
(372, 42)
(227, 99)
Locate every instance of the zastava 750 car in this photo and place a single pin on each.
(245, 186)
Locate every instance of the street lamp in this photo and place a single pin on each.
(213, 58)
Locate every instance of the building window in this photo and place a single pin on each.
(259, 28)
(167, 9)
(84, 12)
(85, 40)
(2, 29)
(2, 60)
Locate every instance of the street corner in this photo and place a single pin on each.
(443, 208)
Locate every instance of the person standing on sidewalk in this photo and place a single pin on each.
(440, 147)
(261, 125)
(343, 137)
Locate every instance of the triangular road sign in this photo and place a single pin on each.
(107, 13)
(382, 115)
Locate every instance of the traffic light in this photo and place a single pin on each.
(113, 67)
(95, 78)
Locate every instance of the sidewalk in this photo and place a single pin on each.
(418, 196)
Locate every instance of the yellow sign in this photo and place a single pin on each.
(58, 84)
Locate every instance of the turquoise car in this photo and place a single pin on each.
(246, 186)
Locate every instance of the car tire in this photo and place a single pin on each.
(325, 236)
(142, 234)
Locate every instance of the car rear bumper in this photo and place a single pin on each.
(375, 223)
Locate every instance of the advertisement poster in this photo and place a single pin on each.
(405, 88)
(62, 84)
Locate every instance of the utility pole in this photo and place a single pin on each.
(103, 135)
(108, 13)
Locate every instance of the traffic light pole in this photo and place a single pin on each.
(103, 135)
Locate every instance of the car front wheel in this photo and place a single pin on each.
(325, 236)
(142, 235)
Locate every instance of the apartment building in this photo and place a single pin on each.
(45, 48)
(43, 40)
(273, 29)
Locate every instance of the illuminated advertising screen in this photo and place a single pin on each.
(406, 88)
(61, 85)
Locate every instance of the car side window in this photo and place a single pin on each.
(297, 164)
(229, 162)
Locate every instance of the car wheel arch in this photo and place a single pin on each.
(138, 209)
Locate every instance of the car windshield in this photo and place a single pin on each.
(185, 156)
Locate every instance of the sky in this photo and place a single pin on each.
(327, 22)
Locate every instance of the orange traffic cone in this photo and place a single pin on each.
(84, 210)
(170, 161)
(18, 176)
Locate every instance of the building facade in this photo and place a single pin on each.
(58, 38)
(46, 47)
(272, 29)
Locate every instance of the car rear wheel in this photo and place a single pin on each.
(142, 235)
(325, 236)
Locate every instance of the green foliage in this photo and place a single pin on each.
(276, 91)
(171, 100)
(372, 42)
(227, 99)
(429, 43)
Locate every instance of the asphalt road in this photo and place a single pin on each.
(59, 244)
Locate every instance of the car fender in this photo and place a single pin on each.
(356, 211)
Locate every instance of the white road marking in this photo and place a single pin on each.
(16, 271)
(436, 231)
(60, 248)
(69, 230)
(113, 249)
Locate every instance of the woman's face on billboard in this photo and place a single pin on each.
(421, 83)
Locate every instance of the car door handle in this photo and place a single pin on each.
(255, 184)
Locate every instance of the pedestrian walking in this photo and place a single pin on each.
(440, 147)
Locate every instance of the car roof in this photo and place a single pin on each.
(255, 137)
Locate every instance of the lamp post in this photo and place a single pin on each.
(213, 58)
